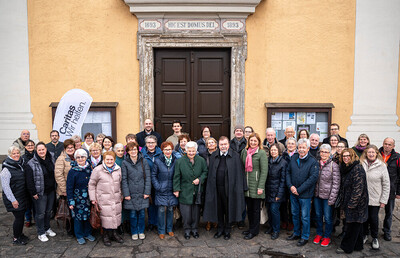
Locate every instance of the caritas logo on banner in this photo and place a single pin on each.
(71, 112)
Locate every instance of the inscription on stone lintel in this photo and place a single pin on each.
(191, 25)
(149, 25)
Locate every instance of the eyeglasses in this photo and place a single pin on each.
(346, 156)
(167, 150)
(150, 142)
(70, 148)
(80, 157)
(30, 145)
(326, 152)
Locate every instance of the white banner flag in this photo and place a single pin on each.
(71, 112)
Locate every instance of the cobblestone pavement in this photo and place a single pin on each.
(206, 246)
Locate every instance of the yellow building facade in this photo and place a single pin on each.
(296, 52)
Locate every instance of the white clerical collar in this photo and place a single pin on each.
(223, 154)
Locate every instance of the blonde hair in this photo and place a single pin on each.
(378, 154)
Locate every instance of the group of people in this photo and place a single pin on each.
(299, 180)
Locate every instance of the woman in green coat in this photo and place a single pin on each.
(255, 161)
(190, 173)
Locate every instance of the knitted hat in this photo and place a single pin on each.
(241, 127)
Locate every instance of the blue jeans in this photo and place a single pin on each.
(274, 215)
(43, 206)
(303, 205)
(137, 222)
(82, 228)
(323, 211)
(169, 210)
(152, 214)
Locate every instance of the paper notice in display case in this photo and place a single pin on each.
(301, 118)
(288, 116)
(276, 116)
(322, 127)
(322, 136)
(286, 124)
(310, 118)
(277, 125)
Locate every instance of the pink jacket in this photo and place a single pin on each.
(105, 188)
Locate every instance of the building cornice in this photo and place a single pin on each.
(204, 8)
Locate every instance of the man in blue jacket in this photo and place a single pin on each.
(302, 175)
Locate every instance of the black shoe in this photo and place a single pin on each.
(302, 242)
(19, 241)
(187, 236)
(241, 225)
(274, 235)
(227, 236)
(120, 230)
(196, 235)
(268, 231)
(293, 237)
(246, 232)
(249, 236)
(218, 235)
(24, 238)
(387, 237)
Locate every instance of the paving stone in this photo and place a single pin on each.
(112, 251)
(153, 253)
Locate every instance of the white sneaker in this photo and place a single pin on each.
(43, 238)
(142, 236)
(50, 232)
(135, 237)
(375, 244)
(365, 239)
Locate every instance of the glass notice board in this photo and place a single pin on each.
(316, 118)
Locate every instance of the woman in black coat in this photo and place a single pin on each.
(14, 192)
(275, 188)
(354, 192)
(162, 179)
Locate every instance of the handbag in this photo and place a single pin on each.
(263, 213)
(198, 196)
(94, 219)
(63, 213)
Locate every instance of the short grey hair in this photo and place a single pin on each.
(150, 137)
(326, 147)
(13, 148)
(118, 146)
(387, 138)
(80, 152)
(291, 139)
(289, 127)
(76, 138)
(315, 134)
(191, 144)
(304, 140)
(270, 129)
(101, 135)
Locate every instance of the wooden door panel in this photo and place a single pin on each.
(192, 85)
(172, 90)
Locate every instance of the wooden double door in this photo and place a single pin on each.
(192, 85)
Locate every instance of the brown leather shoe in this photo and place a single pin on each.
(208, 226)
(117, 237)
(171, 234)
(106, 238)
(161, 236)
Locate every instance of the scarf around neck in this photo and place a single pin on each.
(249, 159)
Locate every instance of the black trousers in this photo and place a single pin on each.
(18, 224)
(353, 238)
(373, 221)
(253, 213)
(387, 222)
(223, 215)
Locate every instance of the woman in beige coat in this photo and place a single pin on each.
(61, 169)
(378, 190)
(105, 189)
